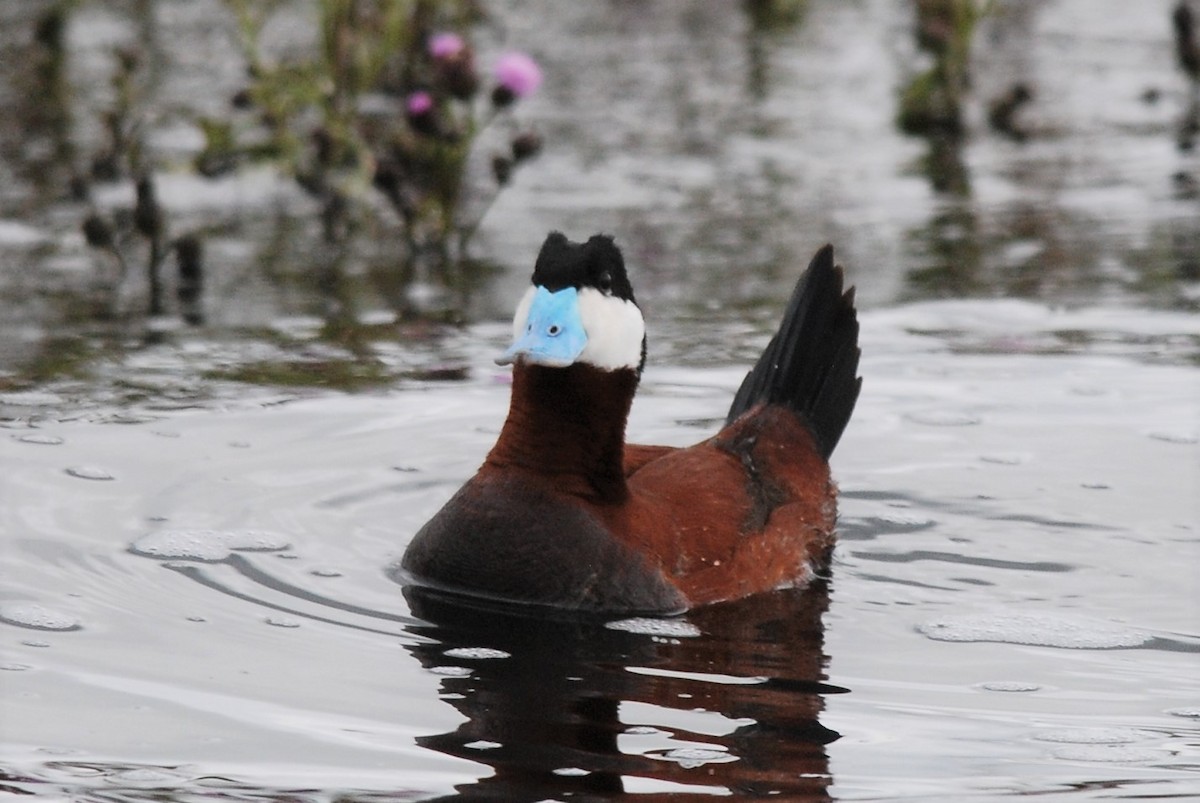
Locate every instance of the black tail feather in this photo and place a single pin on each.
(811, 364)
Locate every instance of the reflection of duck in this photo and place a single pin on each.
(564, 513)
(558, 706)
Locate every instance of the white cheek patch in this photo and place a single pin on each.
(615, 330)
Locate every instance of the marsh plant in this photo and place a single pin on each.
(392, 107)
(383, 123)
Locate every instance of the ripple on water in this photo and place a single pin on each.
(207, 546)
(37, 617)
(1091, 735)
(1033, 629)
(31, 398)
(647, 626)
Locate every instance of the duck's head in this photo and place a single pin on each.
(579, 310)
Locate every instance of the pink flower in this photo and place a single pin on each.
(446, 46)
(518, 74)
(418, 103)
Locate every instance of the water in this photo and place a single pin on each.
(1012, 607)
(194, 601)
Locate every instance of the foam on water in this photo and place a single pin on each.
(207, 546)
(1035, 630)
(476, 653)
(37, 617)
(693, 757)
(646, 626)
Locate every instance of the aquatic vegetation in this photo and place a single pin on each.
(390, 106)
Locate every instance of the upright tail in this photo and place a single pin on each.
(811, 364)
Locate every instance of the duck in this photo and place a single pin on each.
(564, 513)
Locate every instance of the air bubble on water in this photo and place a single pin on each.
(40, 439)
(482, 744)
(1091, 735)
(450, 671)
(476, 653)
(89, 473)
(645, 626)
(37, 617)
(692, 757)
(208, 546)
(1033, 629)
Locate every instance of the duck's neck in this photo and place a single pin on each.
(568, 426)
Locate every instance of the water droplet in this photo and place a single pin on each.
(282, 621)
(450, 671)
(37, 617)
(476, 653)
(38, 438)
(1010, 686)
(647, 626)
(89, 473)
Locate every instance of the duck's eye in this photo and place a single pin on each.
(553, 330)
(605, 281)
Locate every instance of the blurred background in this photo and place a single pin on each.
(322, 192)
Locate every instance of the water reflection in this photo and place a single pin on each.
(562, 705)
